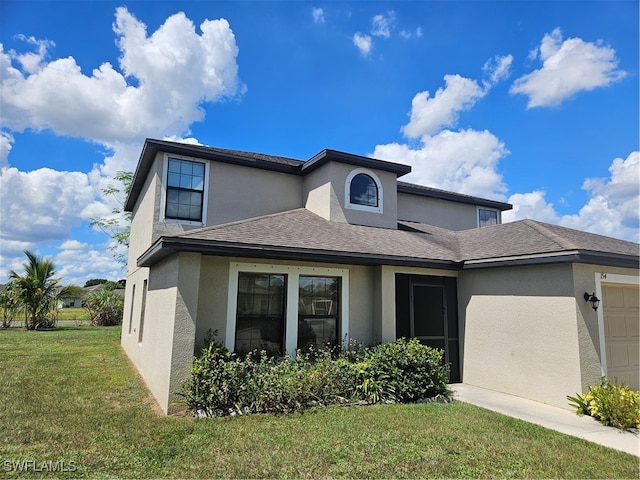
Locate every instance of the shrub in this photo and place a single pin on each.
(614, 405)
(408, 371)
(105, 307)
(223, 383)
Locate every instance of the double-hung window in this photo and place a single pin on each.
(185, 190)
(318, 311)
(261, 310)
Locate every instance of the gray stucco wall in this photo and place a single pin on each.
(521, 331)
(164, 354)
(434, 211)
(238, 193)
(324, 194)
(144, 216)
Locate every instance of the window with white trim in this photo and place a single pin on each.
(363, 191)
(267, 303)
(318, 311)
(185, 190)
(260, 313)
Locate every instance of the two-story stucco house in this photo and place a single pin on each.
(276, 253)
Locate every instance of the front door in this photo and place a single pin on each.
(430, 313)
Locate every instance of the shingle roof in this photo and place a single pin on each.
(302, 235)
(302, 230)
(529, 237)
(422, 190)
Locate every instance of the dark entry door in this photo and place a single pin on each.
(426, 309)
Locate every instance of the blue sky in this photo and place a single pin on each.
(534, 103)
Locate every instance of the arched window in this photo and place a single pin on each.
(363, 191)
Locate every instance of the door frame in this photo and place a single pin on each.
(615, 279)
(405, 326)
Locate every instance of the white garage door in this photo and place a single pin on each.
(622, 338)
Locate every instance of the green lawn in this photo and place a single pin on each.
(70, 400)
(73, 314)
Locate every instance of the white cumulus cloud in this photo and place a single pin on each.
(43, 204)
(612, 208)
(363, 43)
(497, 68)
(430, 114)
(382, 25)
(464, 161)
(156, 90)
(568, 67)
(175, 69)
(318, 15)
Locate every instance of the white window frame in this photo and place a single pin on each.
(608, 278)
(347, 192)
(293, 274)
(165, 181)
(498, 218)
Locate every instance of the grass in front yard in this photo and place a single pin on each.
(73, 314)
(69, 395)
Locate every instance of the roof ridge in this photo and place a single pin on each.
(549, 234)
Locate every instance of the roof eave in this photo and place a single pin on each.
(455, 197)
(596, 258)
(328, 155)
(167, 246)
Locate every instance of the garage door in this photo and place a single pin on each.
(621, 326)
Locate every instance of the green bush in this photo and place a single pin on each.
(223, 383)
(408, 371)
(614, 405)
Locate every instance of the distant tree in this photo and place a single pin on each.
(112, 225)
(38, 291)
(105, 307)
(111, 285)
(107, 284)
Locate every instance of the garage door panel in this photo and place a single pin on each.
(622, 333)
(633, 325)
(634, 355)
(631, 297)
(617, 325)
(619, 356)
(613, 297)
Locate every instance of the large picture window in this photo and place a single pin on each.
(318, 311)
(185, 190)
(260, 313)
(281, 308)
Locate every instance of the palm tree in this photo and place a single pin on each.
(38, 291)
